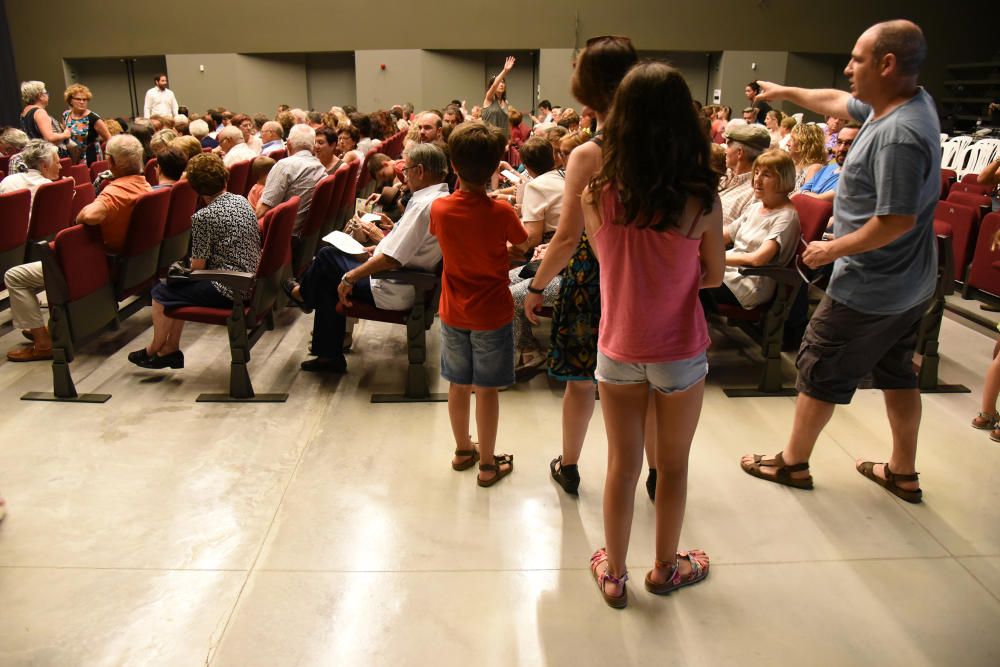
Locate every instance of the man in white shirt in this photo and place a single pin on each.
(160, 100)
(232, 147)
(409, 245)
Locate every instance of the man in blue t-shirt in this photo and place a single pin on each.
(883, 252)
(823, 185)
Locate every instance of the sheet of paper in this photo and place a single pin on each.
(511, 176)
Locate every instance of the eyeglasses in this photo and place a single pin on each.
(412, 167)
(80, 99)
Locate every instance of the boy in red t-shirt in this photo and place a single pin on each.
(477, 339)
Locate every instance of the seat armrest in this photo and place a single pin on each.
(781, 274)
(238, 281)
(421, 280)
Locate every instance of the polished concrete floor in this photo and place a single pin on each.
(153, 530)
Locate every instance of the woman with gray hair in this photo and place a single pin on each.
(12, 142)
(35, 120)
(41, 162)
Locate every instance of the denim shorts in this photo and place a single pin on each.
(481, 358)
(665, 377)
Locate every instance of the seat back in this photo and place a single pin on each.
(333, 206)
(814, 216)
(982, 275)
(279, 154)
(962, 224)
(346, 205)
(239, 173)
(50, 213)
(365, 183)
(4, 162)
(150, 173)
(80, 173)
(981, 203)
(970, 186)
(177, 233)
(15, 209)
(136, 266)
(84, 194)
(275, 259)
(64, 164)
(97, 166)
(305, 247)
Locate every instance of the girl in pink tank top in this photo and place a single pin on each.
(655, 223)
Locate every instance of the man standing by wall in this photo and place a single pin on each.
(160, 100)
(884, 255)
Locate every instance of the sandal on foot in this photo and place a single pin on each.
(995, 435)
(599, 558)
(782, 473)
(473, 457)
(674, 580)
(985, 421)
(567, 476)
(500, 473)
(867, 468)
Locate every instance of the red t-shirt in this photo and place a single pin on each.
(473, 231)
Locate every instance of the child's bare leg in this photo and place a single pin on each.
(991, 389)
(487, 418)
(458, 414)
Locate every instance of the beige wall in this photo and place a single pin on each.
(555, 69)
(401, 81)
(737, 69)
(331, 81)
(448, 75)
(247, 83)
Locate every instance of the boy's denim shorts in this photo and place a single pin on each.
(665, 377)
(480, 358)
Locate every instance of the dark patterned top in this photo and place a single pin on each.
(225, 233)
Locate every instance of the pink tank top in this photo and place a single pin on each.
(650, 311)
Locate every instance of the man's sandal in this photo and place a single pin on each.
(867, 468)
(986, 421)
(473, 457)
(498, 460)
(782, 473)
(599, 558)
(699, 570)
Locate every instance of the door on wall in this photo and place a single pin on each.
(118, 85)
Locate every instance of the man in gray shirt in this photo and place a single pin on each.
(883, 252)
(297, 174)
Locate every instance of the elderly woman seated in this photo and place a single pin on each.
(224, 235)
(766, 233)
(41, 166)
(12, 142)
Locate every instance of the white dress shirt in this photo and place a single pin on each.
(160, 103)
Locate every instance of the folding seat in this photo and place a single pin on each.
(304, 246)
(948, 177)
(15, 208)
(365, 183)
(246, 322)
(150, 173)
(970, 186)
(84, 194)
(984, 272)
(80, 173)
(49, 214)
(961, 223)
(346, 206)
(930, 325)
(4, 162)
(766, 322)
(332, 218)
(177, 234)
(135, 269)
(97, 166)
(64, 164)
(239, 174)
(980, 202)
(279, 154)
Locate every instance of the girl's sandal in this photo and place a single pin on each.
(986, 421)
(499, 473)
(674, 580)
(473, 457)
(599, 558)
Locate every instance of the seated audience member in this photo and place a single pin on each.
(170, 165)
(224, 235)
(519, 130)
(143, 130)
(744, 143)
(388, 193)
(210, 140)
(347, 144)
(824, 184)
(272, 135)
(833, 127)
(249, 130)
(258, 122)
(199, 130)
(773, 124)
(588, 121)
(364, 125)
(429, 126)
(111, 211)
(785, 131)
(41, 166)
(544, 116)
(12, 142)
(554, 135)
(766, 233)
(452, 116)
(807, 151)
(750, 115)
(314, 119)
(342, 119)
(334, 275)
(475, 113)
(181, 125)
(160, 141)
(259, 170)
(570, 120)
(326, 149)
(300, 116)
(232, 147)
(296, 175)
(718, 158)
(542, 200)
(188, 145)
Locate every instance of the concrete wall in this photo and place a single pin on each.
(108, 82)
(738, 69)
(696, 68)
(401, 80)
(555, 70)
(330, 80)
(449, 75)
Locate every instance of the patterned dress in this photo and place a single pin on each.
(576, 317)
(84, 134)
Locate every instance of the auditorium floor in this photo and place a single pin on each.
(152, 530)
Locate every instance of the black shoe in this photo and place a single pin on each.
(568, 476)
(142, 359)
(324, 365)
(287, 287)
(651, 484)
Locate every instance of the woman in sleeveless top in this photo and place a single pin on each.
(35, 120)
(655, 222)
(573, 349)
(86, 128)
(495, 104)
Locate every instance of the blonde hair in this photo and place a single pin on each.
(810, 143)
(781, 164)
(187, 144)
(31, 91)
(161, 140)
(77, 90)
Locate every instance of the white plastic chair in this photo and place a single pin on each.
(944, 138)
(949, 151)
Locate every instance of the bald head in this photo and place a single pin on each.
(904, 40)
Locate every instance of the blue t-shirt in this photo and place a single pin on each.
(823, 180)
(893, 168)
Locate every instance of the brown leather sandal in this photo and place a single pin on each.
(782, 474)
(867, 468)
(986, 421)
(498, 460)
(473, 455)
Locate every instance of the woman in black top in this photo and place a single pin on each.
(35, 120)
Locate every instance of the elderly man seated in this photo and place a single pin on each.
(272, 135)
(41, 166)
(233, 147)
(111, 211)
(296, 175)
(823, 185)
(744, 143)
(334, 276)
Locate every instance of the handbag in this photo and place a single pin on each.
(179, 273)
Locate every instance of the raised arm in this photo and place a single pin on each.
(508, 65)
(825, 101)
